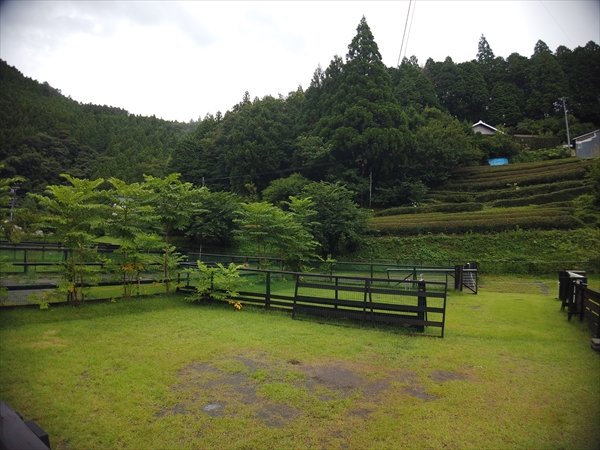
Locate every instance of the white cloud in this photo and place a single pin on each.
(180, 60)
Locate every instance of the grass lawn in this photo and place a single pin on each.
(160, 373)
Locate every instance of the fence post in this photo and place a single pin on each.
(422, 303)
(458, 277)
(25, 265)
(268, 292)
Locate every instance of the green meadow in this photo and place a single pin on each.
(162, 372)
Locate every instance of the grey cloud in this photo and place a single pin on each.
(53, 21)
(272, 29)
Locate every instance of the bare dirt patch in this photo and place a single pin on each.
(278, 392)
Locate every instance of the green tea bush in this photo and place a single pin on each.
(522, 179)
(540, 199)
(448, 207)
(543, 154)
(479, 222)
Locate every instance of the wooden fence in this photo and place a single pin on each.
(413, 305)
(590, 309)
(578, 299)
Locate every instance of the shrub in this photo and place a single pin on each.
(482, 221)
(218, 283)
(544, 154)
(447, 207)
(560, 196)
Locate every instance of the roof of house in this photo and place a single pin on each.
(481, 122)
(586, 134)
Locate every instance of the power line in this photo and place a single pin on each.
(410, 28)
(404, 33)
(561, 29)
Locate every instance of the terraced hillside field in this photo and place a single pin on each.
(540, 195)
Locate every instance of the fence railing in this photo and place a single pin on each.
(578, 299)
(416, 305)
(590, 309)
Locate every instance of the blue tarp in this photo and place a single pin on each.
(498, 161)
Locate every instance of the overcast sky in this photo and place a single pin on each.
(181, 60)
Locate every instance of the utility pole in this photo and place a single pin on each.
(370, 187)
(566, 122)
(13, 195)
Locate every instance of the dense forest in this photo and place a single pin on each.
(387, 133)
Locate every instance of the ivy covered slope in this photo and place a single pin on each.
(43, 134)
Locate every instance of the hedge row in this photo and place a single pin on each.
(502, 194)
(579, 187)
(489, 225)
(559, 196)
(543, 218)
(445, 208)
(463, 179)
(522, 179)
(475, 215)
(484, 171)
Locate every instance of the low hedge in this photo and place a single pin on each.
(492, 195)
(540, 199)
(527, 174)
(484, 171)
(492, 225)
(527, 191)
(522, 179)
(445, 208)
(482, 221)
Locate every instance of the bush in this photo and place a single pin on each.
(544, 154)
(557, 196)
(477, 222)
(447, 208)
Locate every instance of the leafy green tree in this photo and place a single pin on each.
(443, 145)
(312, 155)
(594, 176)
(361, 119)
(547, 83)
(218, 283)
(74, 213)
(7, 197)
(174, 202)
(492, 68)
(409, 191)
(339, 224)
(280, 190)
(132, 225)
(268, 231)
(214, 224)
(582, 70)
(498, 145)
(411, 87)
(505, 104)
(257, 141)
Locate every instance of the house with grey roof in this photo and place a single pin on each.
(588, 145)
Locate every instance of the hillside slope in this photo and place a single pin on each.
(541, 195)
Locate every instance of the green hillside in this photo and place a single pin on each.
(531, 196)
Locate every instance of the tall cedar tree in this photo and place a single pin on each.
(365, 125)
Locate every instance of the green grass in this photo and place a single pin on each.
(161, 373)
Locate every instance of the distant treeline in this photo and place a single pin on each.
(388, 134)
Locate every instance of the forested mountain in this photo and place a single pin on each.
(44, 134)
(388, 133)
